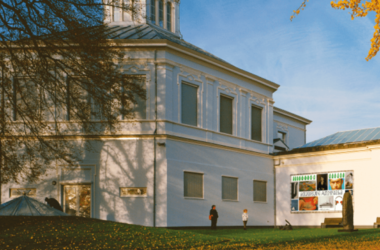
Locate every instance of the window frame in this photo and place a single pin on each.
(144, 82)
(251, 121)
(169, 16)
(161, 13)
(197, 102)
(284, 135)
(266, 191)
(153, 11)
(221, 94)
(237, 188)
(14, 108)
(203, 186)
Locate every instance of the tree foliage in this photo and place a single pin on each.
(359, 8)
(60, 83)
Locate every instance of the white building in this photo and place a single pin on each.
(353, 155)
(205, 136)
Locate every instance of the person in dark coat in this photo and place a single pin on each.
(214, 217)
(53, 203)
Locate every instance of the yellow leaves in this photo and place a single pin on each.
(359, 8)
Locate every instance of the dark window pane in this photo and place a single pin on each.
(169, 16)
(229, 188)
(189, 104)
(256, 124)
(138, 109)
(153, 11)
(226, 114)
(259, 191)
(193, 185)
(161, 12)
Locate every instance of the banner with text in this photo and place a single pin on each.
(320, 192)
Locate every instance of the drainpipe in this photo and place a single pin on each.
(2, 128)
(274, 181)
(154, 139)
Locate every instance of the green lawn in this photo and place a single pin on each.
(80, 233)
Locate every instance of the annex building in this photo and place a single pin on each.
(207, 134)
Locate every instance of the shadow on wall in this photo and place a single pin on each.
(122, 164)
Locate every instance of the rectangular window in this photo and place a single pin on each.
(226, 114)
(138, 109)
(260, 191)
(256, 123)
(153, 11)
(26, 99)
(78, 103)
(193, 185)
(229, 188)
(161, 12)
(117, 12)
(281, 135)
(169, 16)
(189, 104)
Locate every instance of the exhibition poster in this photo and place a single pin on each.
(322, 192)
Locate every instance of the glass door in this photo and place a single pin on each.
(77, 200)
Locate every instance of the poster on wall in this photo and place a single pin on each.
(321, 192)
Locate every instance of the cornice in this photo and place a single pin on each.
(324, 153)
(284, 126)
(133, 43)
(291, 115)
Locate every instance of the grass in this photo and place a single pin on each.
(80, 233)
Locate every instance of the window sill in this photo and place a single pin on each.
(230, 200)
(134, 196)
(193, 198)
(263, 202)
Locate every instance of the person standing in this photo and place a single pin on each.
(53, 203)
(245, 218)
(213, 217)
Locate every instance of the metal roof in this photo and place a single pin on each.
(352, 136)
(26, 206)
(133, 32)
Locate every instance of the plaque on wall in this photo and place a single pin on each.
(17, 192)
(133, 192)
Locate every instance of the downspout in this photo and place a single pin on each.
(2, 128)
(154, 139)
(275, 198)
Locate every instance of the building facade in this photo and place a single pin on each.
(205, 135)
(346, 161)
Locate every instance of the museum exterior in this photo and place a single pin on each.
(207, 134)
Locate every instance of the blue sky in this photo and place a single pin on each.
(318, 58)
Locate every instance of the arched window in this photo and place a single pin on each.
(161, 12)
(153, 11)
(169, 16)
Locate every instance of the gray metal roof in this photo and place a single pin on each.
(139, 31)
(352, 136)
(26, 206)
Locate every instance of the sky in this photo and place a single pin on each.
(318, 59)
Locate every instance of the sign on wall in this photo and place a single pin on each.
(17, 192)
(133, 192)
(321, 192)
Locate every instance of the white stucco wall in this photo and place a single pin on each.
(364, 161)
(214, 163)
(113, 164)
(294, 129)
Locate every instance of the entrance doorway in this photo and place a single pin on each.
(77, 200)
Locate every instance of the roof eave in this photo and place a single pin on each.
(224, 65)
(291, 115)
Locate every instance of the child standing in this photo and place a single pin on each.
(245, 218)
